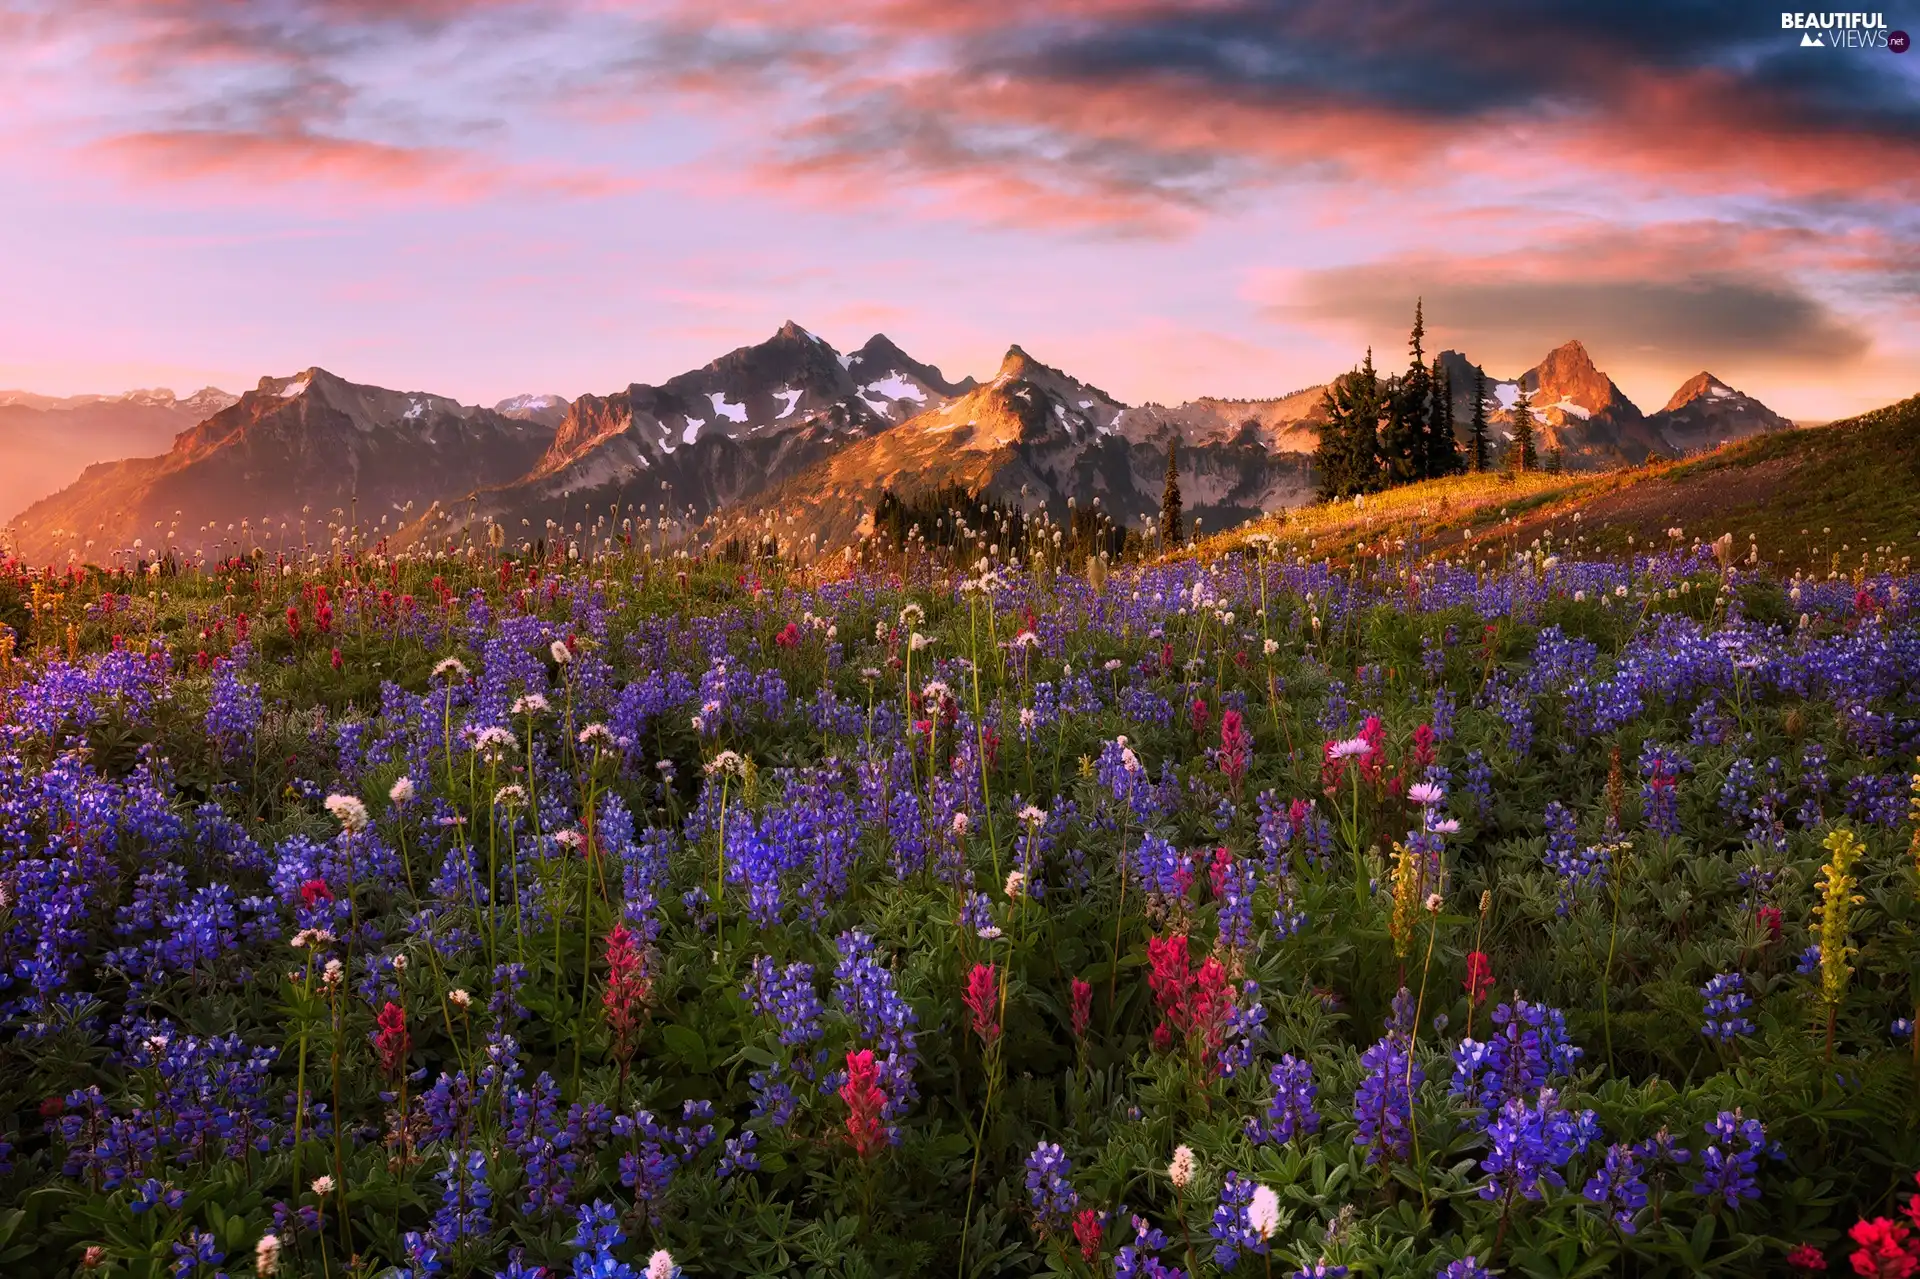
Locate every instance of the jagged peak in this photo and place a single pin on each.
(295, 383)
(794, 332)
(880, 345)
(1701, 383)
(1017, 364)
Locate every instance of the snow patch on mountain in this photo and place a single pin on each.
(731, 412)
(894, 387)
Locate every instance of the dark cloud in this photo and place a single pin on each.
(1720, 319)
(1465, 58)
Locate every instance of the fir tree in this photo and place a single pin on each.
(1477, 429)
(1555, 461)
(1443, 450)
(1409, 404)
(1170, 496)
(1521, 456)
(1349, 459)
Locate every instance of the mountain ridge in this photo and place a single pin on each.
(789, 425)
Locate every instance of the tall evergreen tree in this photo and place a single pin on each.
(1403, 442)
(1349, 459)
(1521, 456)
(1477, 427)
(1170, 496)
(1443, 450)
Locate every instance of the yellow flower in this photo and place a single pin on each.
(1832, 910)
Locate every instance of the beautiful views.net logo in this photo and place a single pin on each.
(1844, 31)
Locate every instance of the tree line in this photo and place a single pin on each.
(1383, 431)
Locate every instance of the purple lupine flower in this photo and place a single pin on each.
(1383, 1105)
(1731, 1160)
(1291, 1113)
(1727, 1003)
(1233, 1233)
(1618, 1185)
(1049, 1193)
(1137, 1259)
(1528, 1145)
(1527, 1051)
(1468, 1267)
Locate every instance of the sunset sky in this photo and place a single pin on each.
(480, 198)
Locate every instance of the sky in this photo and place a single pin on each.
(482, 198)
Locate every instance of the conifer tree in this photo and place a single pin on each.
(1349, 459)
(1403, 443)
(1521, 456)
(1477, 429)
(1442, 449)
(1170, 496)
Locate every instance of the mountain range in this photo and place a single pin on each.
(789, 427)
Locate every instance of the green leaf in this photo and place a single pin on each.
(686, 1045)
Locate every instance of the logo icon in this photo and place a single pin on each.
(1812, 40)
(1899, 41)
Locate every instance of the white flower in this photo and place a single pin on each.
(1271, 647)
(266, 1256)
(1181, 1169)
(990, 932)
(1263, 1212)
(349, 812)
(561, 653)
(1113, 664)
(917, 641)
(451, 667)
(1445, 826)
(660, 1265)
(1433, 903)
(726, 763)
(1349, 748)
(935, 691)
(1579, 597)
(1016, 883)
(510, 795)
(333, 973)
(323, 1185)
(530, 704)
(1425, 793)
(960, 823)
(596, 735)
(567, 838)
(1027, 718)
(1032, 816)
(459, 997)
(399, 963)
(912, 615)
(1620, 592)
(1026, 639)
(310, 937)
(402, 791)
(492, 740)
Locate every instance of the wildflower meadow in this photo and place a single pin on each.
(600, 911)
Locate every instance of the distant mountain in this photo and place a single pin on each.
(1037, 436)
(547, 410)
(1706, 413)
(48, 440)
(291, 452)
(1581, 411)
(716, 435)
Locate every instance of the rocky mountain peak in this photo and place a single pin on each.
(1702, 383)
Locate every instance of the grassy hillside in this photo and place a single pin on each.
(1818, 498)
